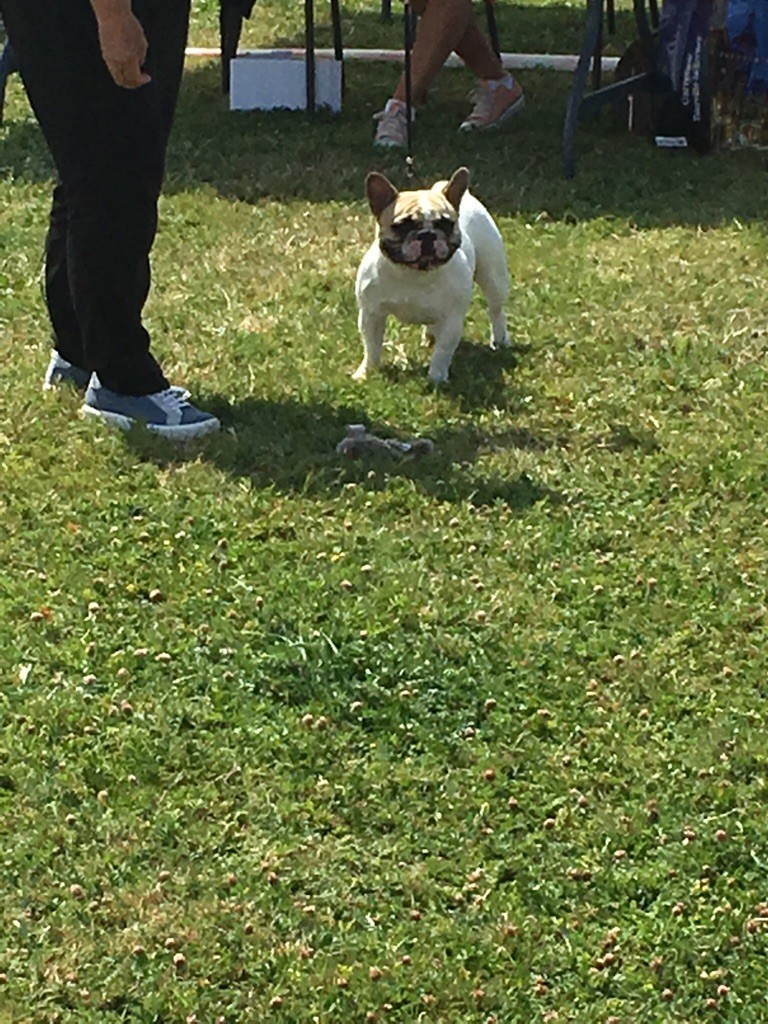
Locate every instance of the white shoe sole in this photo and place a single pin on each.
(179, 432)
(61, 382)
(388, 144)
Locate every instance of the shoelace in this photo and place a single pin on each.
(391, 120)
(171, 400)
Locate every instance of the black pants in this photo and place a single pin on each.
(108, 145)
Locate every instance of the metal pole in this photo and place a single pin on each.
(309, 44)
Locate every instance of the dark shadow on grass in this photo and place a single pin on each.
(478, 378)
(477, 374)
(291, 446)
(285, 156)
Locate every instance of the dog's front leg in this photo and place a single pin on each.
(372, 326)
(447, 334)
(499, 334)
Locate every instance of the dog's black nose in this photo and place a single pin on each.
(427, 239)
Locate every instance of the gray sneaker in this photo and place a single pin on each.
(61, 372)
(392, 128)
(167, 413)
(495, 103)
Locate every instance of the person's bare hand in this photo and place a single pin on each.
(122, 41)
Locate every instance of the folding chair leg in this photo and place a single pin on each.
(591, 36)
(309, 50)
(610, 16)
(338, 46)
(230, 27)
(597, 60)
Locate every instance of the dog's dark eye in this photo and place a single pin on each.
(403, 228)
(445, 224)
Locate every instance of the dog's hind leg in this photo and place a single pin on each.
(492, 277)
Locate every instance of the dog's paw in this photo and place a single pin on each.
(438, 376)
(504, 341)
(361, 373)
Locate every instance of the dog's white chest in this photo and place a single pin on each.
(414, 296)
(415, 304)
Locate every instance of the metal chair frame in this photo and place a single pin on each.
(579, 104)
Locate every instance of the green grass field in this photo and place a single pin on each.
(475, 739)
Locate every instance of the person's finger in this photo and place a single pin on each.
(142, 80)
(128, 74)
(131, 75)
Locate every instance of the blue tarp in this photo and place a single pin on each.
(747, 26)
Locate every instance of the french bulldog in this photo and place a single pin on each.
(431, 246)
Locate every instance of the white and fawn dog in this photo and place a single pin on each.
(431, 246)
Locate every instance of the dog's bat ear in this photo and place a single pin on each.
(381, 192)
(456, 187)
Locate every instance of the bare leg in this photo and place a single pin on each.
(446, 26)
(476, 51)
